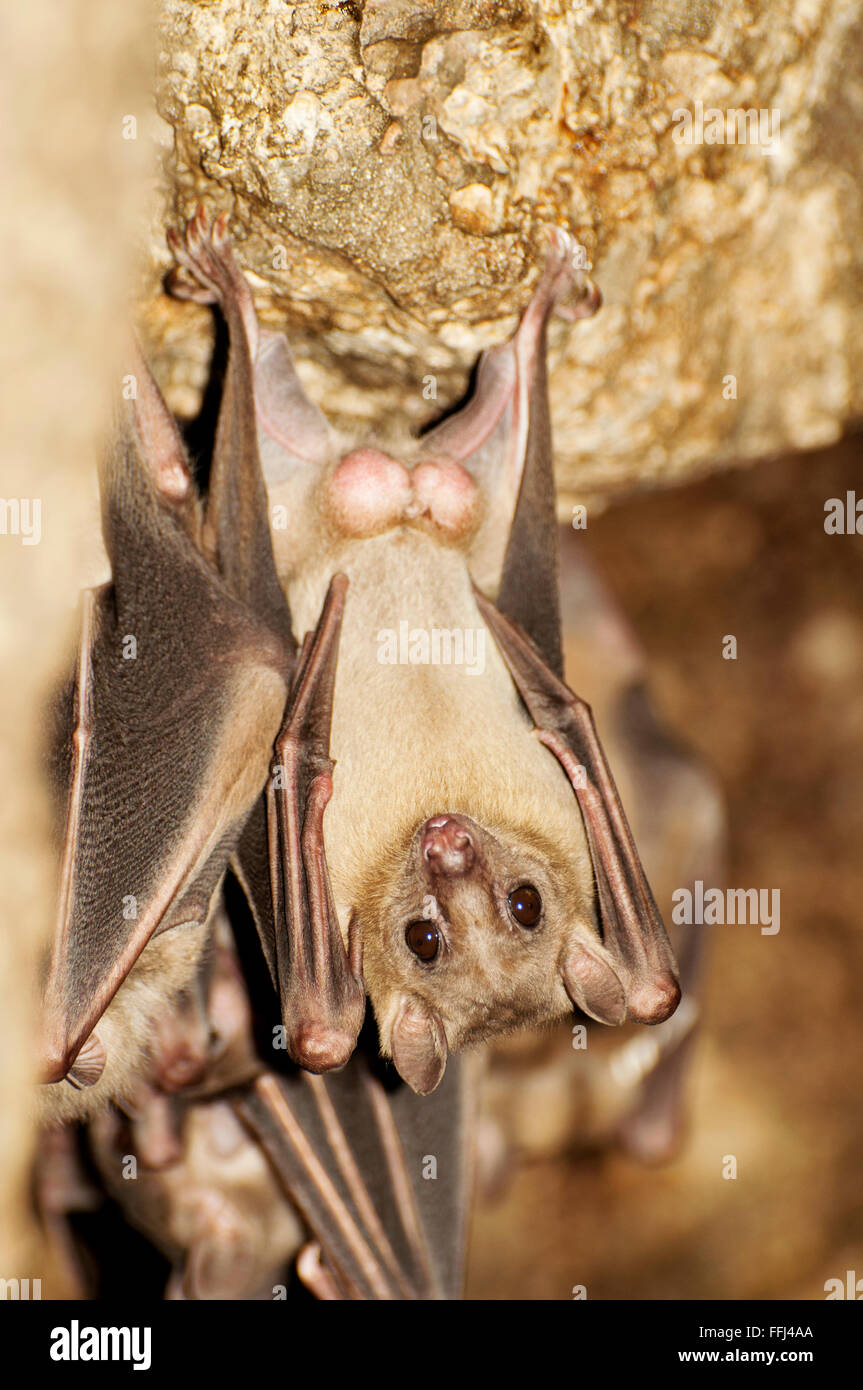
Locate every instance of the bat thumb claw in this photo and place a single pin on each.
(653, 1001)
(318, 1047)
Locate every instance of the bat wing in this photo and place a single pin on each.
(282, 866)
(179, 693)
(280, 859)
(503, 437)
(380, 1176)
(237, 530)
(634, 975)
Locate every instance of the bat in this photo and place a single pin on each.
(417, 807)
(475, 853)
(180, 687)
(242, 1170)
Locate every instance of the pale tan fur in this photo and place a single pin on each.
(414, 741)
(411, 741)
(170, 961)
(167, 967)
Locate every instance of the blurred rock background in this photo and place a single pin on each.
(73, 200)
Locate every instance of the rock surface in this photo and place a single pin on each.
(390, 166)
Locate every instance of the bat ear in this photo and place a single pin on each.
(419, 1047)
(636, 954)
(503, 438)
(593, 984)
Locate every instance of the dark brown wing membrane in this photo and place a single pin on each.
(529, 591)
(380, 1176)
(280, 861)
(503, 437)
(237, 524)
(178, 698)
(636, 974)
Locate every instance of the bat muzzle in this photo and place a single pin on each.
(448, 846)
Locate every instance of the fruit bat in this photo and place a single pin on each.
(241, 1170)
(340, 673)
(439, 828)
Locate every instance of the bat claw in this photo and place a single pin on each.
(315, 1275)
(204, 255)
(319, 1048)
(654, 1001)
(586, 306)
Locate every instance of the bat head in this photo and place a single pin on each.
(480, 932)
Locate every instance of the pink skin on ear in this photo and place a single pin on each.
(369, 492)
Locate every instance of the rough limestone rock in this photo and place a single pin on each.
(390, 166)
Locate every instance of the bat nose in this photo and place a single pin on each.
(447, 845)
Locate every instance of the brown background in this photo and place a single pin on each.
(779, 1067)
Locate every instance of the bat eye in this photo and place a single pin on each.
(525, 904)
(423, 938)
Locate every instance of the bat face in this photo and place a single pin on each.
(475, 930)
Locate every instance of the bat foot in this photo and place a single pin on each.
(566, 286)
(207, 272)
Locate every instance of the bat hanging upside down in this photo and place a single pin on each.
(416, 806)
(474, 870)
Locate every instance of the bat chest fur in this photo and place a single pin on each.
(426, 719)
